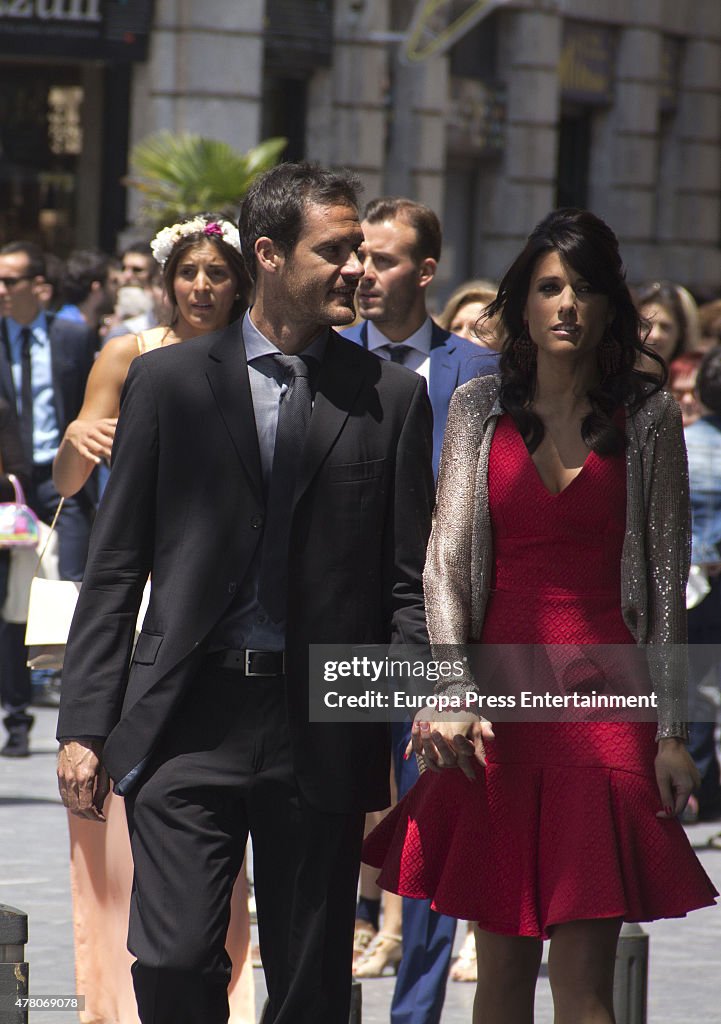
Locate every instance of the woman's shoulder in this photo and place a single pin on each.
(658, 406)
(148, 341)
(122, 347)
(478, 395)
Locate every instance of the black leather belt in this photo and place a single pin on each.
(250, 663)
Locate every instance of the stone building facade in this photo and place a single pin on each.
(612, 104)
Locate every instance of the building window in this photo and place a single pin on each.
(65, 133)
(40, 149)
(574, 150)
(285, 107)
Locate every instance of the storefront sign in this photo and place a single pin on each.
(586, 65)
(98, 29)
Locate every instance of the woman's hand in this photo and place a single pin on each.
(93, 439)
(676, 776)
(450, 739)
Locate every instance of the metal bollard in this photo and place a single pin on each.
(630, 983)
(356, 1003)
(13, 967)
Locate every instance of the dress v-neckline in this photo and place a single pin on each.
(549, 493)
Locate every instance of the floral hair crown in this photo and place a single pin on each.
(166, 239)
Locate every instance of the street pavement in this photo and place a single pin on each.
(684, 962)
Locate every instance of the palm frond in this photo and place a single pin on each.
(181, 175)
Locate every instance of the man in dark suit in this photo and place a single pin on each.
(44, 364)
(267, 527)
(400, 253)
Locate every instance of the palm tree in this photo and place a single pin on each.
(180, 175)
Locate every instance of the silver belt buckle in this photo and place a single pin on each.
(248, 672)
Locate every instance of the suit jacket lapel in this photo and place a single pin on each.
(55, 343)
(339, 381)
(228, 378)
(443, 376)
(6, 376)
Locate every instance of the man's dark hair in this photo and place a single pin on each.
(421, 218)
(276, 202)
(708, 382)
(82, 268)
(141, 248)
(35, 256)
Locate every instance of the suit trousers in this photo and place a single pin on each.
(15, 688)
(704, 628)
(420, 988)
(224, 771)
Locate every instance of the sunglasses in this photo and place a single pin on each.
(10, 282)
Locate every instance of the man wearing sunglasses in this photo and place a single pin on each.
(44, 364)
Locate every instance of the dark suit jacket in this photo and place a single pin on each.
(185, 501)
(454, 361)
(72, 350)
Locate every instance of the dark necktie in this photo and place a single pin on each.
(293, 420)
(26, 395)
(398, 353)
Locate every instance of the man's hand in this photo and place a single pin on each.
(82, 780)
(450, 739)
(93, 439)
(676, 776)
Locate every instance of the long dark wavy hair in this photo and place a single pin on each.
(590, 247)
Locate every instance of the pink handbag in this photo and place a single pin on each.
(19, 526)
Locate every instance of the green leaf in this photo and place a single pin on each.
(182, 175)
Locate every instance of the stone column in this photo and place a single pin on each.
(347, 102)
(624, 157)
(698, 193)
(204, 73)
(523, 189)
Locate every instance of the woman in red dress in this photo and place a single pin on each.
(561, 519)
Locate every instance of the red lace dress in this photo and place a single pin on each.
(561, 825)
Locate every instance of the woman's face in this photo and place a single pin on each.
(464, 322)
(665, 329)
(683, 389)
(205, 288)
(565, 315)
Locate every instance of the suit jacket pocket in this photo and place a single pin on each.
(356, 471)
(147, 647)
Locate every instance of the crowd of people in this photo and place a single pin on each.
(283, 412)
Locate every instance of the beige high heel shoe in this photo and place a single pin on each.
(363, 935)
(465, 967)
(384, 951)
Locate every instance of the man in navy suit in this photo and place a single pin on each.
(44, 364)
(400, 254)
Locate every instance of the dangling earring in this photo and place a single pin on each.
(609, 355)
(524, 350)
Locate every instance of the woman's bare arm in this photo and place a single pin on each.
(89, 439)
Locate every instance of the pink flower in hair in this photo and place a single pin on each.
(213, 229)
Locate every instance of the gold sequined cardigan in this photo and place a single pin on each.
(656, 550)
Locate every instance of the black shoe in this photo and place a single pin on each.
(18, 743)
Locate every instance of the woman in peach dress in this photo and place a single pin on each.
(206, 285)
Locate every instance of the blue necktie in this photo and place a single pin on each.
(26, 395)
(293, 420)
(398, 353)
